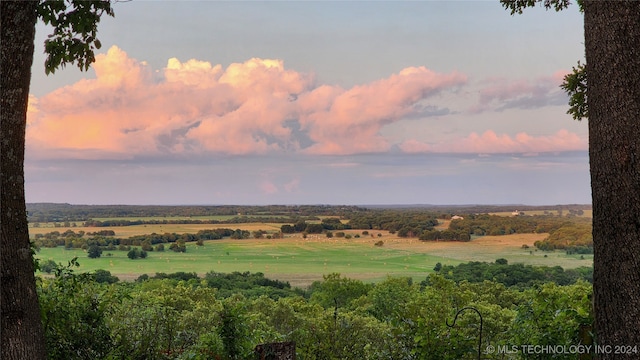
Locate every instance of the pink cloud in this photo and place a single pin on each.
(490, 142)
(193, 72)
(195, 107)
(502, 94)
(268, 187)
(352, 121)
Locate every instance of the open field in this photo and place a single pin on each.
(301, 261)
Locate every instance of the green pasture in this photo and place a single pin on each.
(297, 263)
(301, 261)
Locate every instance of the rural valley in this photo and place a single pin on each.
(333, 282)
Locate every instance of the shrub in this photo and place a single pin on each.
(48, 266)
(94, 251)
(105, 277)
(135, 253)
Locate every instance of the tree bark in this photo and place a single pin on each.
(22, 336)
(612, 43)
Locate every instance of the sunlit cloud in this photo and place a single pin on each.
(260, 107)
(490, 142)
(194, 107)
(352, 121)
(193, 72)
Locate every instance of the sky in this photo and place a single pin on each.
(313, 102)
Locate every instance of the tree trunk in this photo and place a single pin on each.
(612, 42)
(22, 335)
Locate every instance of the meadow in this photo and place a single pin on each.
(301, 261)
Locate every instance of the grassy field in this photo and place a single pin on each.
(301, 261)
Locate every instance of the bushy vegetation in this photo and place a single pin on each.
(575, 237)
(407, 223)
(224, 316)
(572, 233)
(96, 243)
(518, 275)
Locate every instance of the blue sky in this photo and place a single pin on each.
(389, 102)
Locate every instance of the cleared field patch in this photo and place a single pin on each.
(301, 261)
(442, 224)
(490, 248)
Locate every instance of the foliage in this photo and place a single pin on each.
(104, 277)
(250, 285)
(336, 291)
(575, 85)
(409, 223)
(554, 315)
(74, 309)
(71, 239)
(75, 27)
(160, 319)
(181, 316)
(94, 251)
(48, 266)
(136, 253)
(518, 275)
(48, 212)
(573, 235)
(485, 224)
(233, 333)
(446, 235)
(517, 6)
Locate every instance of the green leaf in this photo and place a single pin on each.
(74, 31)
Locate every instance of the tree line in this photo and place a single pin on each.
(510, 275)
(395, 220)
(148, 242)
(233, 220)
(53, 212)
